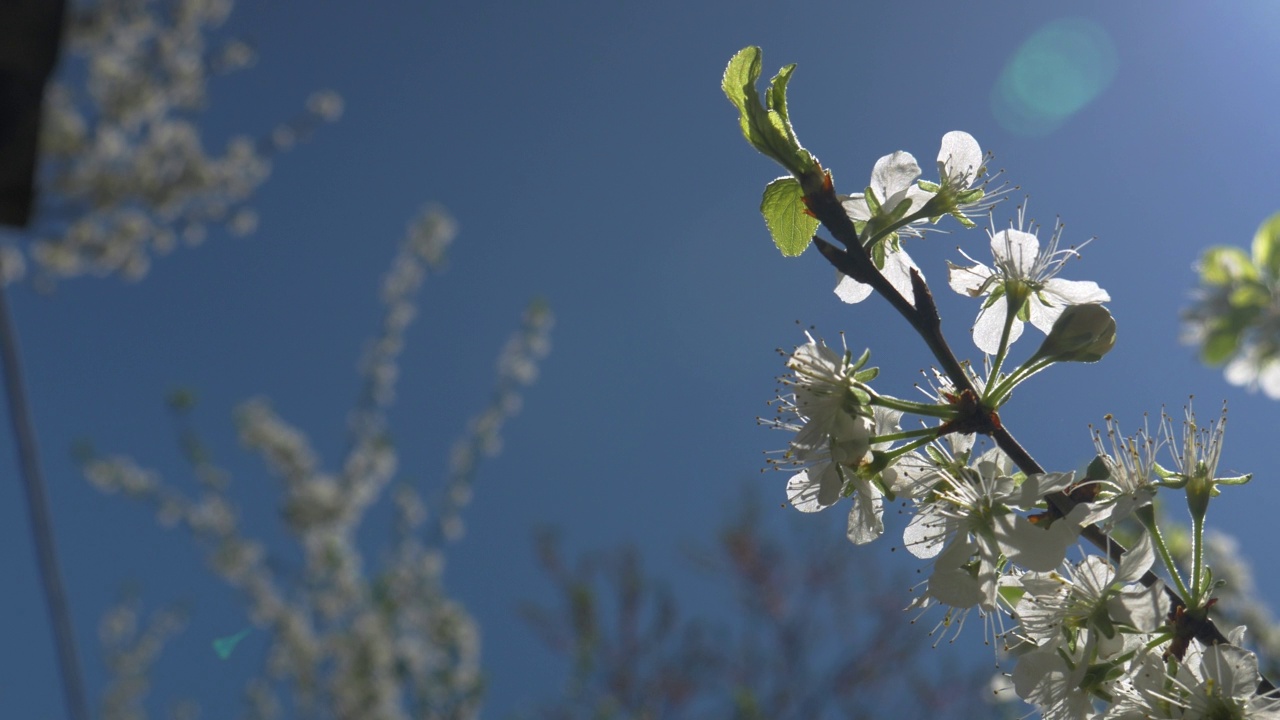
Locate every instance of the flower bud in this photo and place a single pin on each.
(1082, 333)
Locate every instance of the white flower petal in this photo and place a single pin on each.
(1242, 370)
(1036, 487)
(1137, 561)
(927, 533)
(1044, 316)
(1140, 607)
(897, 270)
(990, 325)
(805, 488)
(866, 518)
(1035, 547)
(959, 158)
(855, 206)
(1233, 670)
(1269, 378)
(850, 290)
(893, 174)
(1076, 292)
(911, 476)
(1016, 250)
(971, 281)
(952, 582)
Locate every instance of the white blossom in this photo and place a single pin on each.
(1131, 481)
(1218, 682)
(970, 522)
(1026, 272)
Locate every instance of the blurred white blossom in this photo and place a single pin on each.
(125, 168)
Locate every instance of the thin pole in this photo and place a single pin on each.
(41, 523)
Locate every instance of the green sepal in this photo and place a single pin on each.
(1011, 593)
(936, 456)
(898, 211)
(1266, 246)
(862, 360)
(889, 495)
(882, 247)
(1101, 619)
(997, 292)
(865, 376)
(873, 202)
(848, 487)
(784, 212)
(1097, 470)
(1175, 481)
(963, 220)
(872, 469)
(1024, 310)
(768, 129)
(863, 399)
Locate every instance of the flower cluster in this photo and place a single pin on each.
(897, 204)
(1099, 636)
(1085, 635)
(828, 406)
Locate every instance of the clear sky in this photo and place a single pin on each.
(590, 157)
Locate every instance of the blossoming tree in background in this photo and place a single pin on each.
(348, 638)
(124, 171)
(1089, 637)
(124, 177)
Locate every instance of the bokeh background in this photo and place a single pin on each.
(589, 157)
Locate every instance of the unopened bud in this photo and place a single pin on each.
(1082, 333)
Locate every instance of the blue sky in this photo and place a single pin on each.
(589, 157)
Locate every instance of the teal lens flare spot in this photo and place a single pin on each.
(224, 646)
(1058, 71)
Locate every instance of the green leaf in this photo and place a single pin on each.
(1249, 295)
(1266, 246)
(776, 99)
(1220, 345)
(739, 84)
(1222, 265)
(767, 129)
(784, 212)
